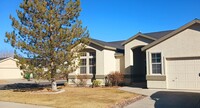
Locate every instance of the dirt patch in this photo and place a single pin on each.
(126, 102)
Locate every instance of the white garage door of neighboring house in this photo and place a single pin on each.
(183, 73)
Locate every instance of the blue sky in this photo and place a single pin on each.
(112, 20)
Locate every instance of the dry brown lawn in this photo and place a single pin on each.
(73, 97)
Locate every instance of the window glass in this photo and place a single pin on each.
(83, 62)
(88, 62)
(92, 61)
(156, 68)
(93, 54)
(156, 63)
(83, 53)
(92, 69)
(83, 70)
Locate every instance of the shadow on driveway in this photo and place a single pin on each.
(171, 99)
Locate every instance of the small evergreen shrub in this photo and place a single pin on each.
(27, 76)
(96, 83)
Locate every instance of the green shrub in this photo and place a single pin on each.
(96, 83)
(27, 76)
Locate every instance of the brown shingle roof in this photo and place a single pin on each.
(159, 34)
(114, 44)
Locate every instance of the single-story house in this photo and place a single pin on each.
(9, 69)
(167, 59)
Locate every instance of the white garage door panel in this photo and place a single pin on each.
(10, 74)
(183, 73)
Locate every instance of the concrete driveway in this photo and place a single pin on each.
(161, 98)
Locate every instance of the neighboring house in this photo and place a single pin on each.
(9, 69)
(100, 59)
(166, 59)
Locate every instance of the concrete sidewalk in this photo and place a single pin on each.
(18, 105)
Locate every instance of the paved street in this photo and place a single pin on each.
(161, 98)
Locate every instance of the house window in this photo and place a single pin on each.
(88, 63)
(83, 66)
(156, 63)
(92, 65)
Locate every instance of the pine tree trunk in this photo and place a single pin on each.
(53, 79)
(66, 76)
(54, 85)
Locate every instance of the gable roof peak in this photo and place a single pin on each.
(180, 29)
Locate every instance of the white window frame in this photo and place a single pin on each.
(159, 63)
(83, 66)
(88, 57)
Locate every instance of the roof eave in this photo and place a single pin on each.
(9, 58)
(104, 46)
(137, 35)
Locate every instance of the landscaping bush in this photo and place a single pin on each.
(27, 76)
(96, 83)
(115, 79)
(81, 80)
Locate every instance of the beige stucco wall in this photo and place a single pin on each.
(183, 44)
(154, 84)
(9, 70)
(109, 61)
(105, 63)
(120, 63)
(139, 41)
(99, 62)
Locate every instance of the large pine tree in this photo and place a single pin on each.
(47, 37)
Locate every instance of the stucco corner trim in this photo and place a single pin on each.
(156, 78)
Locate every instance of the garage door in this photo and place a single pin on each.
(183, 73)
